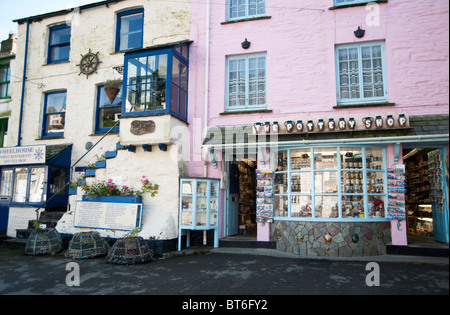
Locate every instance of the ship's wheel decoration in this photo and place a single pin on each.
(89, 63)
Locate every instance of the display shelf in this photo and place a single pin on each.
(199, 207)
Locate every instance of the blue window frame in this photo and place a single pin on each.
(54, 114)
(156, 82)
(130, 30)
(244, 9)
(107, 113)
(246, 82)
(361, 73)
(344, 183)
(59, 44)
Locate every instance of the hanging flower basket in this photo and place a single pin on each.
(43, 242)
(112, 88)
(87, 245)
(129, 251)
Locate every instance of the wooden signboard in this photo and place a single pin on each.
(109, 216)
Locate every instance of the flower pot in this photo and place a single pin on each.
(87, 245)
(90, 172)
(100, 164)
(114, 199)
(44, 242)
(129, 251)
(111, 92)
(73, 191)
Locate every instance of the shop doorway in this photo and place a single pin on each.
(426, 196)
(241, 199)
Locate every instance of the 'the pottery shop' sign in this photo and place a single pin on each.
(341, 123)
(34, 154)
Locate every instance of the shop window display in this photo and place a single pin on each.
(336, 183)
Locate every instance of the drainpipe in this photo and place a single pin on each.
(24, 78)
(205, 127)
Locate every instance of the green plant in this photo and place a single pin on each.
(109, 188)
(117, 83)
(133, 233)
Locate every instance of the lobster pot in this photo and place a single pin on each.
(43, 242)
(129, 251)
(87, 245)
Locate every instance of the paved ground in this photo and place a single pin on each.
(218, 273)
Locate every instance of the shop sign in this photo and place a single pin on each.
(331, 124)
(34, 154)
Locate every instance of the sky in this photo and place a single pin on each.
(15, 9)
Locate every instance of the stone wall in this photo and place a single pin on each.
(337, 239)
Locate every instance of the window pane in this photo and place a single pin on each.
(325, 159)
(301, 206)
(6, 184)
(37, 184)
(352, 182)
(56, 102)
(351, 158)
(301, 183)
(301, 159)
(325, 182)
(147, 83)
(326, 206)
(20, 185)
(61, 36)
(376, 206)
(109, 116)
(352, 206)
(55, 123)
(280, 206)
(131, 31)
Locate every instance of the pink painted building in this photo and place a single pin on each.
(326, 121)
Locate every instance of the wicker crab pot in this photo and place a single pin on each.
(129, 251)
(87, 245)
(44, 242)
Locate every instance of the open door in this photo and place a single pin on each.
(231, 227)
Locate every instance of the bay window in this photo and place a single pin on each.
(327, 184)
(156, 82)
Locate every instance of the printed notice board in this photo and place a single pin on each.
(109, 216)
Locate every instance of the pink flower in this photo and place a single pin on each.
(124, 187)
(110, 180)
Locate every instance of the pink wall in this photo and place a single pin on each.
(300, 55)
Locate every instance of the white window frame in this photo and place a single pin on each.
(350, 2)
(361, 99)
(245, 106)
(247, 14)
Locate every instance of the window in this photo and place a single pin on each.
(326, 184)
(59, 44)
(348, 2)
(107, 113)
(27, 183)
(246, 82)
(242, 9)
(5, 74)
(156, 82)
(54, 114)
(361, 73)
(130, 30)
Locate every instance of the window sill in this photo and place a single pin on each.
(246, 19)
(238, 112)
(356, 4)
(57, 63)
(49, 138)
(363, 105)
(102, 133)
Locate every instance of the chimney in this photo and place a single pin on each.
(9, 45)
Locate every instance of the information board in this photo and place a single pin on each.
(109, 216)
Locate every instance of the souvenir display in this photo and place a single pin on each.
(396, 188)
(264, 196)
